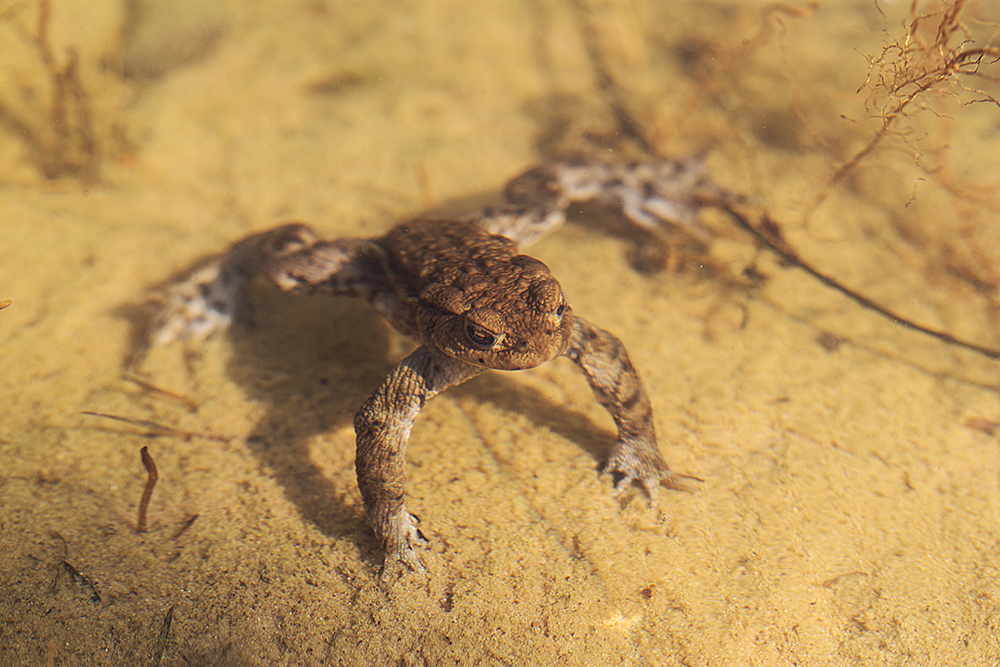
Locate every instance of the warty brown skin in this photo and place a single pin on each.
(461, 288)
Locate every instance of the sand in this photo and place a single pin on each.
(847, 508)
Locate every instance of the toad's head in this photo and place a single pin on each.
(511, 317)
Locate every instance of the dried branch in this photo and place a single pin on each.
(60, 134)
(910, 68)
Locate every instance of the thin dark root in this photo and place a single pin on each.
(190, 403)
(156, 428)
(161, 640)
(60, 135)
(772, 240)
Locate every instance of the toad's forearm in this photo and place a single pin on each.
(617, 386)
(383, 426)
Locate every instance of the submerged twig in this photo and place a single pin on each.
(611, 90)
(773, 241)
(190, 403)
(159, 429)
(75, 575)
(58, 131)
(147, 493)
(184, 526)
(161, 640)
(4, 303)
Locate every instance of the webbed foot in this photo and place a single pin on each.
(626, 465)
(193, 307)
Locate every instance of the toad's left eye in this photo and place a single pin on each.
(480, 337)
(560, 310)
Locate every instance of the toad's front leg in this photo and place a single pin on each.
(617, 386)
(383, 426)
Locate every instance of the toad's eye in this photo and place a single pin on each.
(480, 337)
(560, 310)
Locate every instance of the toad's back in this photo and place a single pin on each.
(424, 253)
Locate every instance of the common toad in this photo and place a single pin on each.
(460, 288)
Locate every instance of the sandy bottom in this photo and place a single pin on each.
(847, 511)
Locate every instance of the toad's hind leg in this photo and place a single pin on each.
(616, 384)
(206, 298)
(658, 196)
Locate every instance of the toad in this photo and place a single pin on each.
(464, 291)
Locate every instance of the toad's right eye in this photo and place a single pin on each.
(480, 337)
